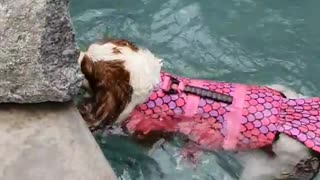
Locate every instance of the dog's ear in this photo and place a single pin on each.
(112, 91)
(105, 106)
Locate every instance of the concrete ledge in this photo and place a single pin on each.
(48, 142)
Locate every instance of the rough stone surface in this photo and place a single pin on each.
(48, 142)
(38, 53)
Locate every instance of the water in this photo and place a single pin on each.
(263, 42)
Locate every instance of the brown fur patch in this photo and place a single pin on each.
(110, 84)
(116, 51)
(124, 43)
(119, 43)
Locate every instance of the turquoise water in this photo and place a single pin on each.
(263, 42)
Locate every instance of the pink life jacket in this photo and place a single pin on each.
(230, 116)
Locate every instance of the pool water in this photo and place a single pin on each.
(247, 41)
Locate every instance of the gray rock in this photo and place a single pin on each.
(48, 141)
(38, 53)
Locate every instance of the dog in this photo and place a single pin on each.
(269, 132)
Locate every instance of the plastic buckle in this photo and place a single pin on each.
(169, 89)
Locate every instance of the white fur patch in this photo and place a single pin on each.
(81, 57)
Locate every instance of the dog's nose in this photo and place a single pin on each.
(81, 57)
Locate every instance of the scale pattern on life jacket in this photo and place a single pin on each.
(300, 119)
(265, 113)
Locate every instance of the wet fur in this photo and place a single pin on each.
(111, 90)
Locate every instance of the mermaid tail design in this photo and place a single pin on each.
(230, 116)
(300, 119)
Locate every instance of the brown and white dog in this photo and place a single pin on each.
(121, 76)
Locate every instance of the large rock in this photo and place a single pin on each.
(48, 141)
(37, 52)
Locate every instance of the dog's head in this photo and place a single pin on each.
(120, 76)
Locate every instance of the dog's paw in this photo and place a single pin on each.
(306, 169)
